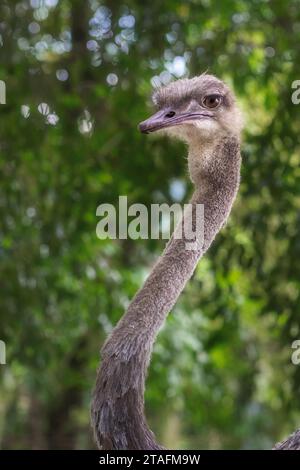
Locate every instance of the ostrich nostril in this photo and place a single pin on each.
(170, 114)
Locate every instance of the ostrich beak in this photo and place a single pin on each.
(163, 118)
(167, 117)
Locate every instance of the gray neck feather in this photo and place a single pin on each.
(118, 400)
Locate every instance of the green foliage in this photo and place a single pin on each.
(221, 375)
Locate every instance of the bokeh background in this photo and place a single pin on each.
(79, 75)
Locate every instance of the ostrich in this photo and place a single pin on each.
(201, 111)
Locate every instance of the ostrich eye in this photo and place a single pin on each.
(212, 101)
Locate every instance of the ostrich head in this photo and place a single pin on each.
(198, 109)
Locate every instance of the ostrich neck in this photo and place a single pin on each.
(118, 408)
